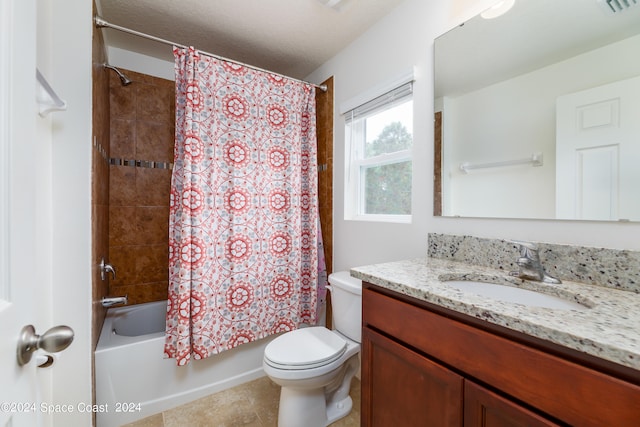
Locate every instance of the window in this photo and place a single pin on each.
(379, 137)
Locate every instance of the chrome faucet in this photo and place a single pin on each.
(530, 266)
(111, 301)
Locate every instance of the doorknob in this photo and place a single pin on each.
(55, 339)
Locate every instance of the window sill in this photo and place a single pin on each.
(398, 219)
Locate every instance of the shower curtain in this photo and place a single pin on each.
(243, 231)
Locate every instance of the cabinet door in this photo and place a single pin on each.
(483, 408)
(410, 390)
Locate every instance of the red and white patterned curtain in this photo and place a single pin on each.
(243, 231)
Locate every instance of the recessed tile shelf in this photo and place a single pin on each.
(141, 163)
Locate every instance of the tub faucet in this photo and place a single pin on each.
(111, 301)
(106, 268)
(530, 266)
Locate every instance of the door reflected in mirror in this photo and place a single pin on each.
(539, 114)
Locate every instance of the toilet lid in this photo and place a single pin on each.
(305, 348)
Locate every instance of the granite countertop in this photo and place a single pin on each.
(607, 327)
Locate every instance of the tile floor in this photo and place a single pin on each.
(253, 404)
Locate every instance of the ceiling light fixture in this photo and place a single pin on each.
(498, 9)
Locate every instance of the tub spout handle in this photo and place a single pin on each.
(111, 301)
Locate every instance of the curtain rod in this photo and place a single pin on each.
(101, 23)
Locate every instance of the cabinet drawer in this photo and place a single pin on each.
(563, 389)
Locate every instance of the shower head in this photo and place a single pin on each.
(124, 79)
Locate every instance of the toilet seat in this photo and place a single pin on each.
(305, 349)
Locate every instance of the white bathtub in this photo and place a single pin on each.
(133, 379)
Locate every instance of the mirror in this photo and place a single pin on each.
(538, 113)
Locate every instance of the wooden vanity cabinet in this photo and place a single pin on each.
(484, 408)
(407, 389)
(423, 365)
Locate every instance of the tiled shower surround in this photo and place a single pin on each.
(141, 154)
(99, 180)
(140, 157)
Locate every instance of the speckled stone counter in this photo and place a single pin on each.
(607, 327)
(613, 268)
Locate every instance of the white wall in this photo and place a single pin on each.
(141, 63)
(402, 39)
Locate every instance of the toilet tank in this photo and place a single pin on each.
(346, 303)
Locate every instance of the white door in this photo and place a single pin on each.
(597, 149)
(21, 288)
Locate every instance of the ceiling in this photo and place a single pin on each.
(290, 37)
(532, 35)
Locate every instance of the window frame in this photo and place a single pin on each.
(356, 164)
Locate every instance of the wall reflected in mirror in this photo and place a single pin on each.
(539, 113)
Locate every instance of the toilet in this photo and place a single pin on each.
(314, 366)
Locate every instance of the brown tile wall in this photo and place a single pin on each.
(142, 128)
(324, 127)
(99, 181)
(99, 188)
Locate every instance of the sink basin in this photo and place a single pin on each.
(512, 294)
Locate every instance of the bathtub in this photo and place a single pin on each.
(134, 381)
